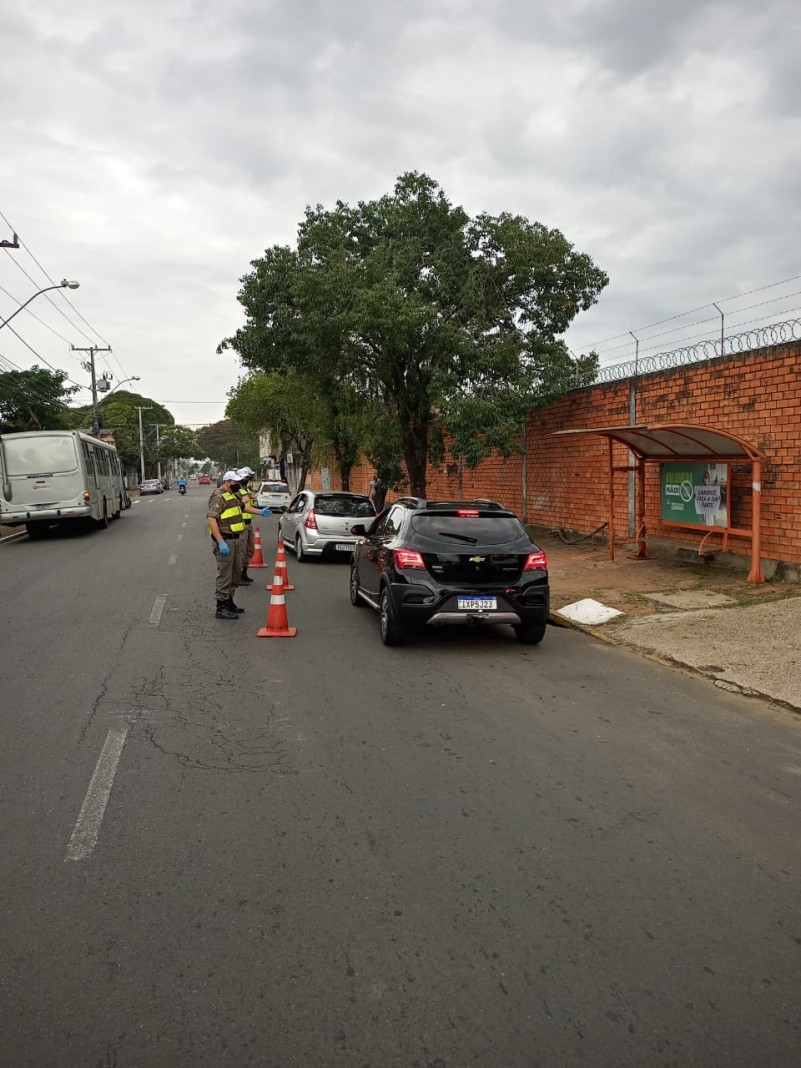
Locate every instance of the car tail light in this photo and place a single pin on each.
(536, 562)
(467, 513)
(408, 558)
(310, 522)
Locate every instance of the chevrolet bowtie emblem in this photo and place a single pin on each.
(477, 559)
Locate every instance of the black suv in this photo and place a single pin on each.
(440, 562)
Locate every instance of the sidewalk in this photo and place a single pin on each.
(745, 637)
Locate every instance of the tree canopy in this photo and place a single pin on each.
(34, 400)
(424, 317)
(119, 414)
(228, 445)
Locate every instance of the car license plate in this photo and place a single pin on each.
(476, 604)
(343, 547)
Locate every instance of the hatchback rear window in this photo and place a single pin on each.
(469, 530)
(274, 487)
(349, 506)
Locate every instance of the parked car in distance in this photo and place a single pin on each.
(274, 495)
(150, 485)
(320, 523)
(450, 562)
(204, 480)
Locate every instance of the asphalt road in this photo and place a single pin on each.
(220, 850)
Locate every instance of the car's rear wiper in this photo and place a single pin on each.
(459, 537)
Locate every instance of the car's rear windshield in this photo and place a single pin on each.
(343, 505)
(274, 487)
(469, 530)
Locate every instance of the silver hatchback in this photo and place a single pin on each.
(319, 523)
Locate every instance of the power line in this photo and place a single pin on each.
(64, 297)
(48, 298)
(30, 389)
(691, 311)
(39, 356)
(36, 317)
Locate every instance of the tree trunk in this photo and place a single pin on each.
(415, 453)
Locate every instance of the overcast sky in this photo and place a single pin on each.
(152, 149)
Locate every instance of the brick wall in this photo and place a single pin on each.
(755, 395)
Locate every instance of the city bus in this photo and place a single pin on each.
(59, 477)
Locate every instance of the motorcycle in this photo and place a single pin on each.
(182, 490)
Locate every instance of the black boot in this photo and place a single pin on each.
(224, 612)
(233, 607)
(245, 577)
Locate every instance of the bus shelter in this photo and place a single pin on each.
(686, 452)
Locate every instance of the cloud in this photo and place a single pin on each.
(153, 150)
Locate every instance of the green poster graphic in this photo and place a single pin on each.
(695, 494)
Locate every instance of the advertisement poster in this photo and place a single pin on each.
(695, 494)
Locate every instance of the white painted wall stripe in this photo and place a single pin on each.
(84, 837)
(158, 608)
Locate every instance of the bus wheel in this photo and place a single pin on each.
(118, 513)
(37, 530)
(103, 523)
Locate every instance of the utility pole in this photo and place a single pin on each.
(158, 458)
(89, 365)
(143, 408)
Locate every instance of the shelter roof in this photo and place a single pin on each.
(677, 441)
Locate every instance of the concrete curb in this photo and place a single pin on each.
(666, 661)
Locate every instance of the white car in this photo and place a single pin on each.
(319, 523)
(274, 495)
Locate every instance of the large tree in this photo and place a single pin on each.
(228, 445)
(434, 318)
(119, 414)
(177, 442)
(34, 400)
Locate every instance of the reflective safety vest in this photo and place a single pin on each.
(242, 492)
(231, 520)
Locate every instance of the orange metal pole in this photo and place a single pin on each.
(642, 548)
(611, 501)
(755, 574)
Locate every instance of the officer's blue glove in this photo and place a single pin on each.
(224, 547)
(266, 511)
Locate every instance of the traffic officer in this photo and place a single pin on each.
(226, 525)
(249, 509)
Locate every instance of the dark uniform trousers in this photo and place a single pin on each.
(248, 545)
(229, 568)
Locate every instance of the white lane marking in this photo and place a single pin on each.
(84, 836)
(137, 501)
(180, 537)
(183, 525)
(19, 534)
(173, 559)
(158, 608)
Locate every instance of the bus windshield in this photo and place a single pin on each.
(43, 454)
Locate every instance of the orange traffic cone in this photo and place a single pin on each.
(258, 558)
(280, 565)
(277, 622)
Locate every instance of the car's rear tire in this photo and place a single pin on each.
(531, 632)
(299, 553)
(355, 597)
(391, 630)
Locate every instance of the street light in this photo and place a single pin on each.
(63, 284)
(133, 378)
